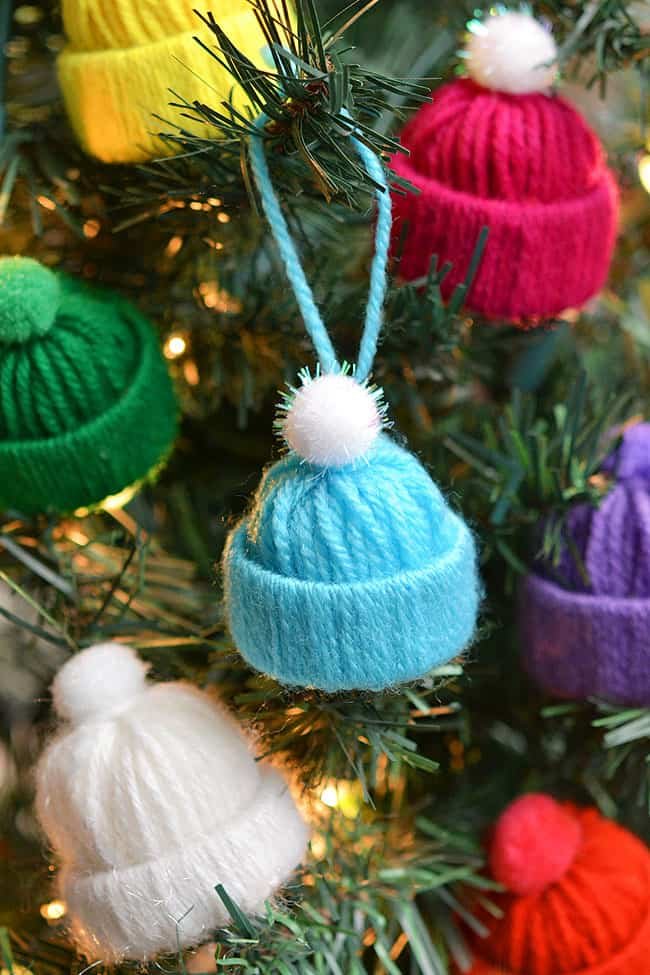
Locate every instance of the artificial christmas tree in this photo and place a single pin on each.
(401, 748)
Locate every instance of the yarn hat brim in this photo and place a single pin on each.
(300, 632)
(582, 645)
(526, 246)
(113, 95)
(173, 898)
(127, 443)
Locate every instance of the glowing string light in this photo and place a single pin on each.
(174, 347)
(644, 172)
(53, 911)
(345, 796)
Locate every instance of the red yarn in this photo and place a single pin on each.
(529, 168)
(594, 919)
(534, 843)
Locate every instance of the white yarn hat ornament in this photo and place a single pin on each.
(150, 797)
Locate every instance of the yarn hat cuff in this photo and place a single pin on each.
(582, 645)
(632, 958)
(111, 95)
(252, 856)
(302, 632)
(527, 243)
(82, 467)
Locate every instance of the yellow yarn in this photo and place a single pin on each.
(96, 25)
(122, 58)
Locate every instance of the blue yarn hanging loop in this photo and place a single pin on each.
(309, 310)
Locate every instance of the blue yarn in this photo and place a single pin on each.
(352, 577)
(378, 279)
(304, 296)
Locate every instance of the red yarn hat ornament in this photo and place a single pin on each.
(499, 149)
(577, 898)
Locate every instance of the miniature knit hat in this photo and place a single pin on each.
(351, 576)
(87, 406)
(151, 796)
(499, 150)
(585, 623)
(126, 60)
(577, 898)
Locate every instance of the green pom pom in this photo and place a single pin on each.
(29, 299)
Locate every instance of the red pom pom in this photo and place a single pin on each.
(535, 841)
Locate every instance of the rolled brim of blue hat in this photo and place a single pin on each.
(364, 635)
(580, 645)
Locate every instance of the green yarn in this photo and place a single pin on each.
(87, 408)
(74, 373)
(29, 299)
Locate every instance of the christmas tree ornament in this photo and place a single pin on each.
(125, 60)
(150, 796)
(576, 900)
(585, 622)
(87, 406)
(350, 570)
(499, 149)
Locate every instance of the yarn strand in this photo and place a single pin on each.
(378, 277)
(280, 229)
(309, 310)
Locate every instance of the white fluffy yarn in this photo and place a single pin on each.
(511, 52)
(151, 796)
(332, 420)
(94, 684)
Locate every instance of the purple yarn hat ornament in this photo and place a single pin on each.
(585, 628)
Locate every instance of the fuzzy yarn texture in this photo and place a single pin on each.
(528, 167)
(522, 861)
(124, 56)
(358, 576)
(585, 623)
(331, 420)
(578, 901)
(87, 407)
(511, 51)
(150, 796)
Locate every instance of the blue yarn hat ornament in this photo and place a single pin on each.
(350, 571)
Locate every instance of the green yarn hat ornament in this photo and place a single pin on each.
(87, 407)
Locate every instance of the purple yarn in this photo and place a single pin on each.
(587, 635)
(631, 460)
(570, 571)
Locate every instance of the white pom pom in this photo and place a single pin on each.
(332, 419)
(97, 681)
(511, 52)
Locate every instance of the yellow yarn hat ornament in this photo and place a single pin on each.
(122, 58)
